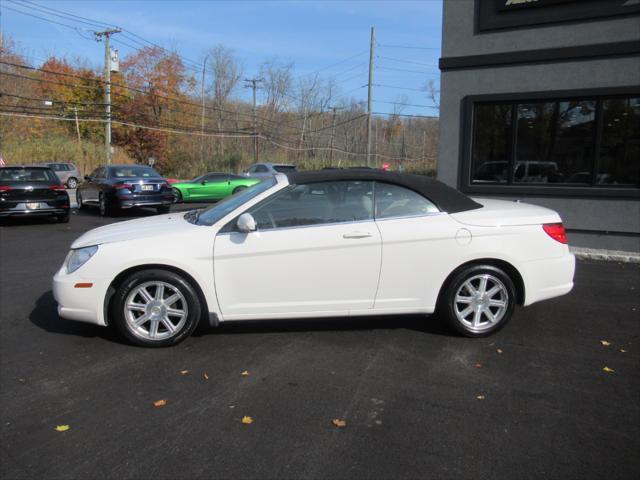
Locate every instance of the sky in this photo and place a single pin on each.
(313, 35)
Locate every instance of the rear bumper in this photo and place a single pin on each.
(548, 278)
(132, 201)
(21, 210)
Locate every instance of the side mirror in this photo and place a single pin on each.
(203, 182)
(246, 223)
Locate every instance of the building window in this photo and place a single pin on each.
(553, 143)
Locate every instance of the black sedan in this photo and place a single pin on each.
(30, 191)
(114, 187)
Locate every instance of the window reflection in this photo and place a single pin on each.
(620, 148)
(492, 143)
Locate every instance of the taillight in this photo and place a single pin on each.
(556, 231)
(4, 188)
(58, 188)
(120, 186)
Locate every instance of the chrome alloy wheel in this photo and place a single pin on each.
(481, 302)
(155, 310)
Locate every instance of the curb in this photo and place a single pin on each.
(605, 255)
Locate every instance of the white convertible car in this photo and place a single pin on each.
(318, 244)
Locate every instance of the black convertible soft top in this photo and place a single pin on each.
(446, 198)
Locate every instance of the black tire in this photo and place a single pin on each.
(163, 209)
(79, 199)
(140, 335)
(72, 182)
(63, 218)
(239, 188)
(456, 295)
(177, 195)
(104, 206)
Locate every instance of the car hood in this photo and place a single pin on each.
(159, 225)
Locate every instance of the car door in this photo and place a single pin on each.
(317, 251)
(214, 187)
(88, 189)
(419, 249)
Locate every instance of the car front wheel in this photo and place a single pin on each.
(156, 308)
(478, 301)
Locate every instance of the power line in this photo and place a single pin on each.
(404, 115)
(398, 88)
(408, 47)
(405, 104)
(403, 60)
(45, 19)
(408, 71)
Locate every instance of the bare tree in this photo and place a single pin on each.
(227, 72)
(432, 92)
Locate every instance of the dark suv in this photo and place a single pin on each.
(124, 186)
(32, 190)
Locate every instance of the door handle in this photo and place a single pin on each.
(357, 235)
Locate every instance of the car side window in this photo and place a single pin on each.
(99, 173)
(316, 204)
(393, 201)
(214, 178)
(261, 169)
(251, 169)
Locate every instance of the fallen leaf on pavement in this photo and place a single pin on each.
(61, 428)
(339, 423)
(245, 373)
(480, 397)
(608, 370)
(478, 365)
(247, 420)
(499, 351)
(159, 403)
(205, 376)
(605, 343)
(622, 350)
(184, 372)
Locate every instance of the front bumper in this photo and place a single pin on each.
(81, 304)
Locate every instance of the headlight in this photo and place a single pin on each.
(79, 257)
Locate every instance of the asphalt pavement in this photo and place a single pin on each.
(532, 401)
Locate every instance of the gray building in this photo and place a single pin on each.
(540, 101)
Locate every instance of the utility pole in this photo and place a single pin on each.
(107, 90)
(204, 64)
(254, 83)
(333, 132)
(369, 94)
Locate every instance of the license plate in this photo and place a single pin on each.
(147, 187)
(33, 205)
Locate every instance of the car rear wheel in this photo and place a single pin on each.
(72, 182)
(478, 301)
(177, 196)
(79, 199)
(156, 308)
(106, 209)
(239, 189)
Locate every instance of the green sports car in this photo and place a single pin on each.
(211, 186)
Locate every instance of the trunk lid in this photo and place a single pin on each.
(497, 213)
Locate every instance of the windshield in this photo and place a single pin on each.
(133, 171)
(214, 213)
(27, 175)
(284, 168)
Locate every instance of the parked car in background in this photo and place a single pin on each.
(114, 187)
(68, 173)
(268, 170)
(319, 244)
(32, 190)
(211, 186)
